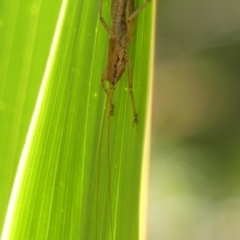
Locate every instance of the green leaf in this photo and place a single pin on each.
(67, 187)
(26, 32)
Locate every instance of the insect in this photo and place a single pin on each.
(120, 38)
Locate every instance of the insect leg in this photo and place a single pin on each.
(137, 11)
(109, 91)
(102, 20)
(130, 87)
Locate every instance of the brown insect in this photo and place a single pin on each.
(120, 37)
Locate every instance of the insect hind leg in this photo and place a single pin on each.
(130, 87)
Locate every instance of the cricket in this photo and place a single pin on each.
(120, 32)
(120, 37)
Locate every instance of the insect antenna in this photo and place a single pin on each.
(110, 107)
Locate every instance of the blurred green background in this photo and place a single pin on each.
(195, 167)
